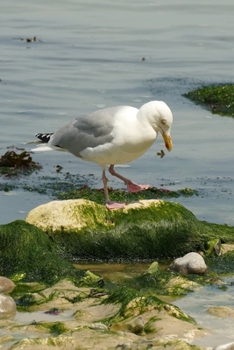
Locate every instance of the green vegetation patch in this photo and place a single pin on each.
(134, 303)
(27, 254)
(219, 99)
(222, 264)
(97, 195)
(167, 230)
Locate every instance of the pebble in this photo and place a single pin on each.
(6, 285)
(7, 307)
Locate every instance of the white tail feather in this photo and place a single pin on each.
(42, 148)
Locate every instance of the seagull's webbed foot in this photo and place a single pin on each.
(133, 187)
(114, 205)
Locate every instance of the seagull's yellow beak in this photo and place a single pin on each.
(168, 142)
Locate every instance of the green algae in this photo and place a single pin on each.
(134, 303)
(167, 230)
(55, 328)
(219, 99)
(27, 253)
(223, 264)
(97, 195)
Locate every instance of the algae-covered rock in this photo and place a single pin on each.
(216, 98)
(148, 229)
(26, 253)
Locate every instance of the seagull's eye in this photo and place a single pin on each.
(163, 121)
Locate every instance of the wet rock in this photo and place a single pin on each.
(191, 263)
(37, 260)
(136, 326)
(7, 307)
(98, 326)
(147, 229)
(221, 311)
(228, 346)
(6, 285)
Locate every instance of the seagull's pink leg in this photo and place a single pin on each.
(109, 204)
(131, 186)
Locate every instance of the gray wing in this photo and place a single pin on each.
(90, 130)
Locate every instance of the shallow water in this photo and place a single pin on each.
(89, 55)
(196, 305)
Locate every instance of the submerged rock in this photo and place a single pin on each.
(221, 311)
(191, 263)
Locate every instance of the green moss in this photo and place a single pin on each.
(122, 196)
(178, 344)
(124, 295)
(166, 230)
(223, 264)
(219, 99)
(26, 253)
(55, 328)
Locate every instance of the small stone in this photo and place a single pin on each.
(191, 263)
(98, 326)
(136, 326)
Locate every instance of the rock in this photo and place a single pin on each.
(136, 326)
(191, 263)
(6, 285)
(221, 311)
(228, 346)
(7, 307)
(147, 229)
(28, 254)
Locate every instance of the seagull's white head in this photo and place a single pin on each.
(160, 118)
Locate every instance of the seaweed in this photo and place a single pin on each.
(13, 163)
(219, 99)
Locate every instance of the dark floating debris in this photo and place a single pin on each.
(54, 311)
(58, 168)
(13, 163)
(29, 40)
(161, 153)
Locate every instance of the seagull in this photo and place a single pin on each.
(114, 135)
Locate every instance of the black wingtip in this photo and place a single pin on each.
(44, 137)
